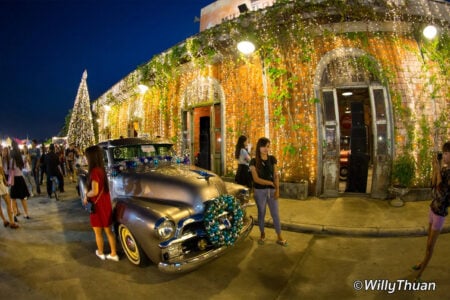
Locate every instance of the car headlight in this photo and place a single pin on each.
(165, 229)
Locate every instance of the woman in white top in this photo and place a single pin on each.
(4, 194)
(242, 155)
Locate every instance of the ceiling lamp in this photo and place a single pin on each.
(346, 94)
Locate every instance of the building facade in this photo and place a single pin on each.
(327, 79)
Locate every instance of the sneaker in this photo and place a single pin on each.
(114, 258)
(101, 256)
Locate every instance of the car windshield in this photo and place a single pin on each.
(130, 152)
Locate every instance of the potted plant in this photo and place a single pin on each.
(403, 172)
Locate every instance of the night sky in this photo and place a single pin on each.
(45, 45)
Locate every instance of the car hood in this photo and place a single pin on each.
(176, 184)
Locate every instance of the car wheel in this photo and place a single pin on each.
(131, 247)
(343, 173)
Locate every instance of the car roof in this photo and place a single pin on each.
(133, 141)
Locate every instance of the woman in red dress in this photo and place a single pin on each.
(98, 194)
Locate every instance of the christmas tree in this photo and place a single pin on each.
(81, 129)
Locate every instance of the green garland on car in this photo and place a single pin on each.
(223, 220)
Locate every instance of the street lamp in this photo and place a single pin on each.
(142, 88)
(247, 48)
(430, 32)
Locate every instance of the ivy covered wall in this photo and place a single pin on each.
(414, 71)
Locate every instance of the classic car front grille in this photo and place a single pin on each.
(191, 237)
(196, 228)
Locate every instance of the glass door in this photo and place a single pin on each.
(382, 142)
(331, 140)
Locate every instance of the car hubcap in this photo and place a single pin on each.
(129, 244)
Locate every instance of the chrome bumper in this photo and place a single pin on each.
(195, 262)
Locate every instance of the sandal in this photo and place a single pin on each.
(5, 223)
(283, 243)
(261, 241)
(417, 267)
(13, 226)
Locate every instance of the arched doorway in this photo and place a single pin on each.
(135, 117)
(355, 122)
(202, 124)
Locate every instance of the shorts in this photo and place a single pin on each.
(436, 221)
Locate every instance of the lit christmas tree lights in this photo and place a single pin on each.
(81, 129)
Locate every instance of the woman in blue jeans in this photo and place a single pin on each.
(266, 188)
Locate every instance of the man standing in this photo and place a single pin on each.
(53, 168)
(71, 156)
(35, 155)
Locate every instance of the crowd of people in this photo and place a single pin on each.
(23, 171)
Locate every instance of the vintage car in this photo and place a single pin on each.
(169, 211)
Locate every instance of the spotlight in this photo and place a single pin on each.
(243, 8)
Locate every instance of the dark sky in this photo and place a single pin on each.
(45, 45)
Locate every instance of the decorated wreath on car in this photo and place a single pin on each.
(223, 220)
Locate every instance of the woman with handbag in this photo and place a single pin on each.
(98, 195)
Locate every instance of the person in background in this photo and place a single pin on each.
(71, 156)
(242, 155)
(19, 189)
(35, 156)
(98, 195)
(440, 194)
(4, 194)
(52, 168)
(62, 159)
(27, 174)
(6, 157)
(266, 188)
(42, 166)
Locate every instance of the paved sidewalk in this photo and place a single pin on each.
(356, 216)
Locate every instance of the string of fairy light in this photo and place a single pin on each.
(242, 100)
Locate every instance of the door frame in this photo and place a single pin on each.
(189, 131)
(328, 180)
